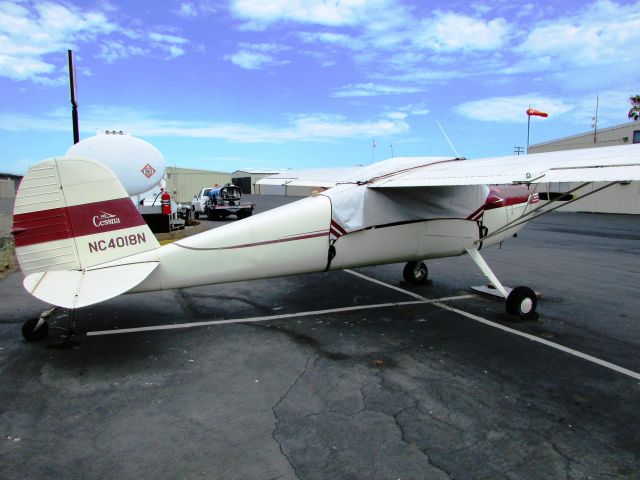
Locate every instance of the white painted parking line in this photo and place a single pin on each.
(272, 317)
(365, 277)
(533, 338)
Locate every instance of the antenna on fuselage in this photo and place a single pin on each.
(451, 144)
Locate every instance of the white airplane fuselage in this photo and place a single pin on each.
(298, 238)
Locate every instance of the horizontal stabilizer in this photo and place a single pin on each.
(75, 289)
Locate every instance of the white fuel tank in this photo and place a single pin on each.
(138, 165)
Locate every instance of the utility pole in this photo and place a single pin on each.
(74, 103)
(594, 121)
(391, 146)
(518, 150)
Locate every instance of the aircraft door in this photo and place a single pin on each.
(447, 237)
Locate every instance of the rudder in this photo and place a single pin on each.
(72, 215)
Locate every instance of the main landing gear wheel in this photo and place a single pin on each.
(415, 273)
(33, 332)
(522, 301)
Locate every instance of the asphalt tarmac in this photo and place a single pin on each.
(343, 375)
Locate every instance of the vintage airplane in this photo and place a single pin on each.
(80, 240)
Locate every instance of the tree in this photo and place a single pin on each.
(634, 111)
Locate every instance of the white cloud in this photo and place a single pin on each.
(170, 44)
(191, 10)
(28, 33)
(328, 37)
(187, 10)
(114, 50)
(373, 89)
(250, 60)
(319, 12)
(448, 32)
(602, 33)
(257, 56)
(422, 75)
(309, 127)
(35, 34)
(511, 109)
(164, 38)
(415, 109)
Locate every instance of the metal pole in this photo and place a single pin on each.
(528, 130)
(74, 103)
(595, 124)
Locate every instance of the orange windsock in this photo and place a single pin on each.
(537, 113)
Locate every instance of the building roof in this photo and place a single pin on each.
(585, 134)
(257, 171)
(10, 175)
(195, 170)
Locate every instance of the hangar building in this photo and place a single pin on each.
(184, 183)
(9, 185)
(247, 179)
(621, 198)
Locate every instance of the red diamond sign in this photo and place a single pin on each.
(148, 171)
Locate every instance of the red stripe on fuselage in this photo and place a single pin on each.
(338, 227)
(75, 221)
(257, 244)
(504, 196)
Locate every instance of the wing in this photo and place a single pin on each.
(330, 177)
(315, 177)
(607, 164)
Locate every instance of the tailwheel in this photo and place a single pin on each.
(522, 301)
(415, 273)
(35, 329)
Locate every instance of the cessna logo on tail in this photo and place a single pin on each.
(105, 219)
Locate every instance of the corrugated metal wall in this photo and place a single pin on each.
(184, 183)
(606, 137)
(615, 199)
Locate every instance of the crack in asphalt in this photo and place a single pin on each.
(403, 436)
(185, 303)
(567, 459)
(274, 407)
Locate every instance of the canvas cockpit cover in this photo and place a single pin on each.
(361, 207)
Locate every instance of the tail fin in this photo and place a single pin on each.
(72, 215)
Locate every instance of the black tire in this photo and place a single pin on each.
(522, 301)
(243, 214)
(415, 273)
(32, 335)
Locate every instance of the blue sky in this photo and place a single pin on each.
(234, 84)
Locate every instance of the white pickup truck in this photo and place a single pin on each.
(219, 202)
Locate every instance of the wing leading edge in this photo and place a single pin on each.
(608, 164)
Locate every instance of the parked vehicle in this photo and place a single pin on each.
(219, 202)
